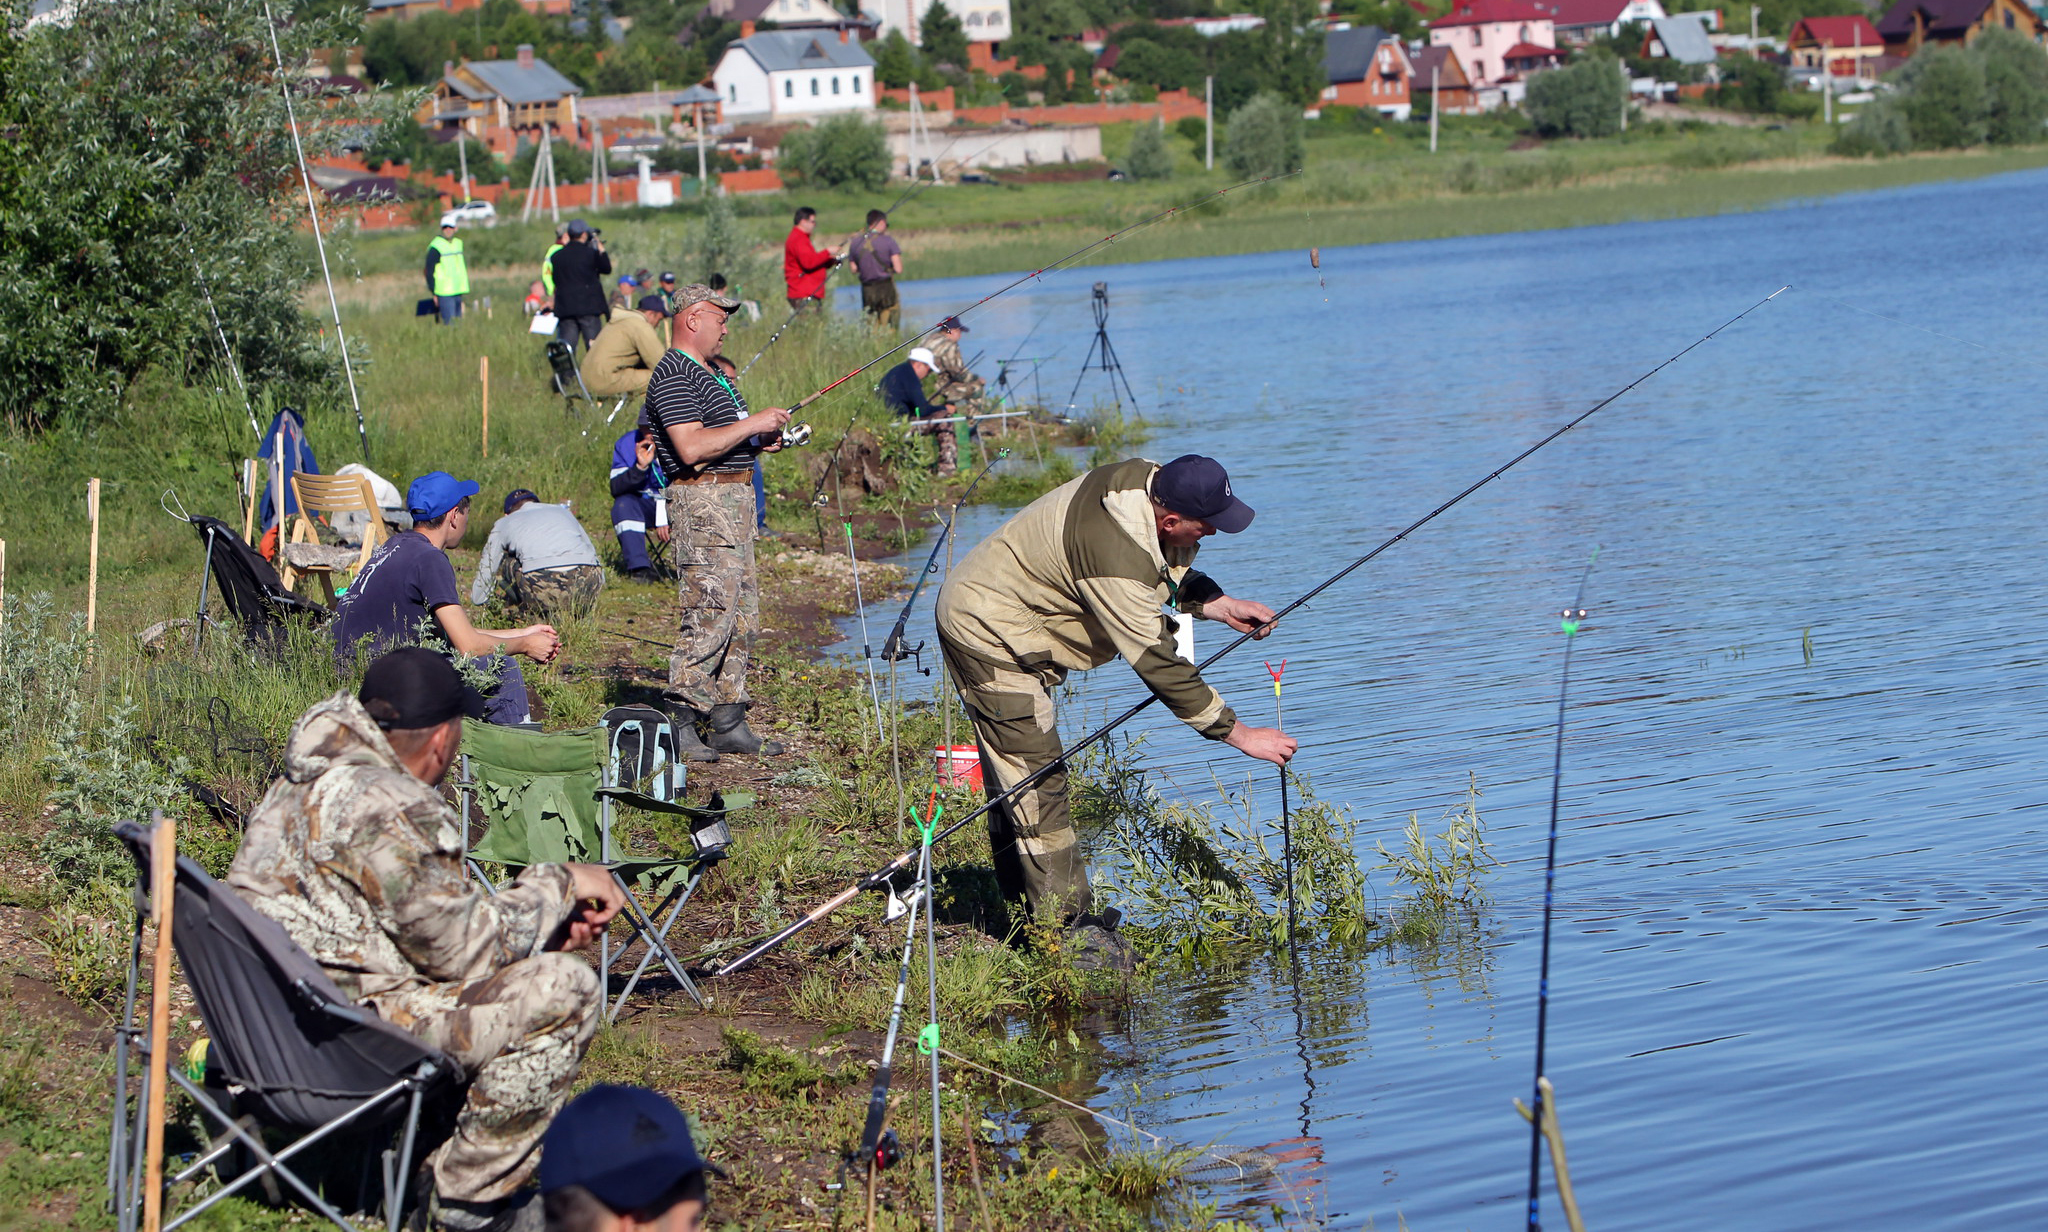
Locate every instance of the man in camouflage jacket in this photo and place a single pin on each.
(354, 851)
(958, 385)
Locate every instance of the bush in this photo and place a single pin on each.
(1879, 129)
(1995, 90)
(1582, 99)
(845, 149)
(1264, 138)
(1945, 99)
(1191, 128)
(1754, 86)
(1148, 159)
(2016, 78)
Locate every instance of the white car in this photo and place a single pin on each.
(471, 214)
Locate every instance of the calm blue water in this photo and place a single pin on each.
(1836, 872)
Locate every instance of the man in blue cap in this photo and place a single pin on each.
(406, 596)
(1078, 577)
(621, 1158)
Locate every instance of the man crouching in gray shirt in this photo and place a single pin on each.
(540, 558)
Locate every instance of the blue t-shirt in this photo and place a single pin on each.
(404, 582)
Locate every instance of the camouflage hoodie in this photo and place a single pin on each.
(363, 865)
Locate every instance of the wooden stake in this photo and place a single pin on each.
(249, 511)
(163, 865)
(92, 559)
(483, 376)
(3, 585)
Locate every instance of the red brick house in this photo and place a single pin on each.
(1367, 67)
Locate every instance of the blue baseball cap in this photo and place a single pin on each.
(435, 493)
(1197, 487)
(626, 1145)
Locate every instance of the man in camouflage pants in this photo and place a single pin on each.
(957, 384)
(356, 854)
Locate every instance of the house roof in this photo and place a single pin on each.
(1685, 39)
(1585, 12)
(1347, 54)
(464, 89)
(1483, 12)
(1837, 31)
(695, 94)
(1531, 51)
(784, 51)
(1445, 61)
(1942, 15)
(514, 83)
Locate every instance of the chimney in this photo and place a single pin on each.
(842, 34)
(447, 68)
(526, 55)
(746, 29)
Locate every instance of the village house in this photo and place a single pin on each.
(1909, 24)
(404, 10)
(1367, 67)
(1484, 32)
(1452, 92)
(1841, 46)
(524, 94)
(1683, 39)
(1579, 22)
(791, 15)
(986, 22)
(794, 74)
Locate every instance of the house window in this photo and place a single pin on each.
(788, 88)
(1479, 70)
(2008, 19)
(1522, 36)
(733, 94)
(835, 85)
(1476, 40)
(814, 87)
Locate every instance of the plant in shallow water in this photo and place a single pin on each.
(1445, 872)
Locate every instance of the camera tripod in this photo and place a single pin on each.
(1101, 355)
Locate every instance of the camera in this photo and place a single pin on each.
(1102, 290)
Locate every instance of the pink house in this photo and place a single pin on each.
(1487, 33)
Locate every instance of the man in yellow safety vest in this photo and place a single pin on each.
(447, 273)
(547, 260)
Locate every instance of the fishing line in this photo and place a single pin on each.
(867, 652)
(306, 177)
(892, 646)
(1569, 621)
(1030, 780)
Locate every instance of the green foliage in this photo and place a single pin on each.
(1994, 91)
(1754, 86)
(572, 165)
(945, 39)
(1148, 158)
(775, 1070)
(895, 60)
(846, 150)
(1446, 871)
(87, 943)
(1582, 99)
(1878, 129)
(1946, 99)
(1191, 128)
(2016, 78)
(1264, 137)
(410, 52)
(148, 151)
(100, 774)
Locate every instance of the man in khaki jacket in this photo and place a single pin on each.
(623, 357)
(1075, 579)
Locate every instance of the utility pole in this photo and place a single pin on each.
(462, 152)
(1434, 106)
(600, 174)
(1754, 9)
(697, 109)
(1624, 96)
(1209, 123)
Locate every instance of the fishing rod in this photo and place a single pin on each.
(1005, 289)
(771, 341)
(892, 646)
(876, 1150)
(897, 865)
(1570, 621)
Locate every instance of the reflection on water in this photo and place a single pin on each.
(1798, 972)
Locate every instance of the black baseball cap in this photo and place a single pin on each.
(627, 1145)
(953, 323)
(412, 688)
(1197, 487)
(519, 496)
(654, 303)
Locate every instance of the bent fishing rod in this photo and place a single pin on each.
(897, 865)
(1005, 289)
(892, 646)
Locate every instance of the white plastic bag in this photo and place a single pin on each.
(543, 323)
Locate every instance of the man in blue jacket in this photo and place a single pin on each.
(638, 506)
(903, 393)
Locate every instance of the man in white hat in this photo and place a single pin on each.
(903, 392)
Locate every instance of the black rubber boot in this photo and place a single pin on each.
(729, 733)
(690, 745)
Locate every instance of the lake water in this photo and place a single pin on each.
(1798, 978)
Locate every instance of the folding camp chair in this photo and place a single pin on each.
(549, 797)
(305, 554)
(286, 1052)
(562, 361)
(249, 587)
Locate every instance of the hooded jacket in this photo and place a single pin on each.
(1077, 578)
(363, 865)
(286, 438)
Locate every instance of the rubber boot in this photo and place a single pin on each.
(730, 733)
(690, 745)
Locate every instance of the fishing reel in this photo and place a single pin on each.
(888, 1150)
(796, 434)
(895, 649)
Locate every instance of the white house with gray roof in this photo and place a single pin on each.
(794, 74)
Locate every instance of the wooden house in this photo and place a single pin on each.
(1909, 25)
(1438, 68)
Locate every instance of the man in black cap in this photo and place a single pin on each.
(1076, 578)
(957, 382)
(621, 1158)
(580, 267)
(355, 852)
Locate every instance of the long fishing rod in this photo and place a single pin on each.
(897, 865)
(1570, 621)
(892, 646)
(877, 1153)
(1006, 288)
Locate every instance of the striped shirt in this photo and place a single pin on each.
(682, 391)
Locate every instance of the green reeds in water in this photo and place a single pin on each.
(1444, 874)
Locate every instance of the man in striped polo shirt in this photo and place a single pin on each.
(705, 442)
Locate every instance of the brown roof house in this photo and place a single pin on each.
(1911, 24)
(520, 94)
(1437, 69)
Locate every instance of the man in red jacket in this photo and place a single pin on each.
(805, 266)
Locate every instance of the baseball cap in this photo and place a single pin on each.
(411, 688)
(578, 227)
(629, 281)
(667, 277)
(626, 1145)
(435, 493)
(953, 323)
(519, 496)
(448, 224)
(923, 355)
(698, 293)
(653, 303)
(1197, 487)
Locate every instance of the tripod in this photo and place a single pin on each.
(1101, 355)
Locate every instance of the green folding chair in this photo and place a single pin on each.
(549, 797)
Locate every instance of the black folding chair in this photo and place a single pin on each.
(287, 1053)
(562, 360)
(249, 588)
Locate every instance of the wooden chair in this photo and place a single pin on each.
(305, 555)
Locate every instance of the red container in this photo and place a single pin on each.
(959, 765)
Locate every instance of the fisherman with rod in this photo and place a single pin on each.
(1075, 579)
